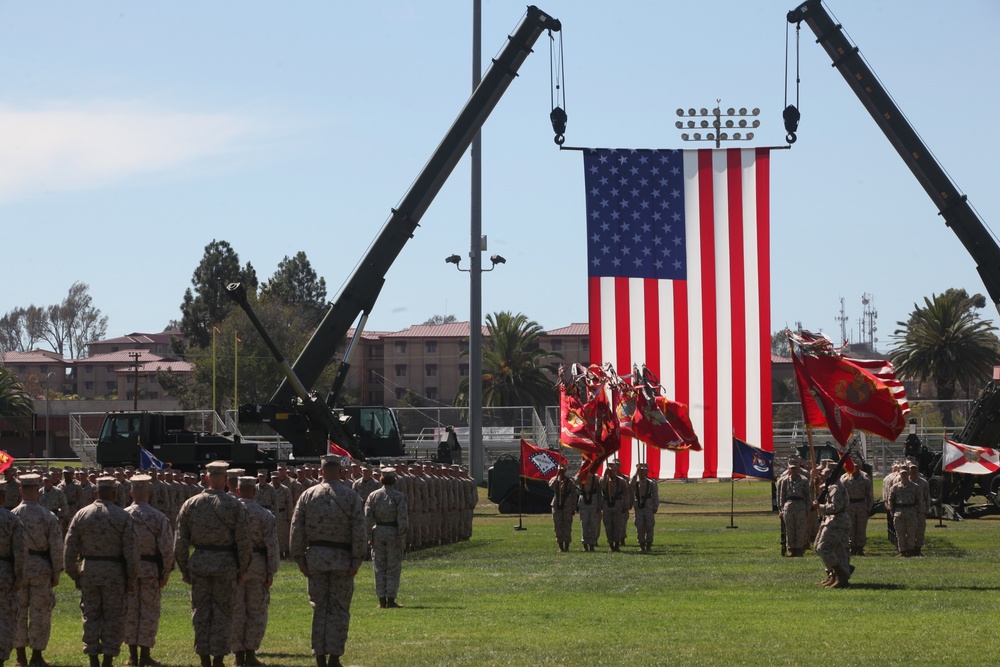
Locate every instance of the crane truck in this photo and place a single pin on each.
(296, 411)
(983, 427)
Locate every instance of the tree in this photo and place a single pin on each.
(14, 400)
(21, 329)
(513, 370)
(83, 323)
(439, 319)
(295, 282)
(947, 342)
(205, 302)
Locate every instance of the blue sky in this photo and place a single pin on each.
(133, 134)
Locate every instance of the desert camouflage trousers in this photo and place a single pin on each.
(387, 561)
(330, 595)
(831, 546)
(645, 521)
(562, 521)
(859, 524)
(250, 615)
(8, 620)
(142, 618)
(796, 525)
(590, 524)
(212, 612)
(615, 522)
(906, 529)
(35, 602)
(103, 608)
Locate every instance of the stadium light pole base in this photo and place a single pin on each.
(520, 528)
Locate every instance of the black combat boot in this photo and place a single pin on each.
(95, 660)
(206, 661)
(108, 661)
(37, 660)
(22, 657)
(241, 660)
(392, 604)
(251, 659)
(146, 660)
(320, 660)
(218, 661)
(381, 603)
(133, 656)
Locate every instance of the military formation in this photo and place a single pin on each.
(608, 498)
(119, 534)
(830, 510)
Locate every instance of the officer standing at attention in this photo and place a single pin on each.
(387, 521)
(614, 488)
(646, 494)
(563, 507)
(252, 599)
(328, 542)
(35, 599)
(861, 497)
(102, 536)
(156, 560)
(215, 524)
(13, 553)
(793, 501)
(904, 499)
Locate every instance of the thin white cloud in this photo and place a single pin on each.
(92, 147)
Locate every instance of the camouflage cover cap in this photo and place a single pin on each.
(30, 480)
(217, 467)
(141, 479)
(387, 472)
(106, 482)
(246, 481)
(235, 472)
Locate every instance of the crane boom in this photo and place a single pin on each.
(953, 206)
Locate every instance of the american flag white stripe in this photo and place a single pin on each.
(704, 331)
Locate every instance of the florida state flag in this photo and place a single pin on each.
(6, 460)
(538, 463)
(970, 460)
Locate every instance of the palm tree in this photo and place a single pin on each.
(14, 401)
(947, 342)
(514, 372)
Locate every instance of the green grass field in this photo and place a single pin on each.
(706, 595)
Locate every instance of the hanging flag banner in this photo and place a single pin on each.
(678, 261)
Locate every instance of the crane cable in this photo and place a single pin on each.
(791, 113)
(557, 89)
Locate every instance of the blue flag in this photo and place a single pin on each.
(750, 461)
(149, 462)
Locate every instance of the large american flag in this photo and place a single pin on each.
(678, 258)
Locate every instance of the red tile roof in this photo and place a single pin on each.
(33, 357)
(159, 365)
(121, 356)
(449, 330)
(161, 338)
(575, 329)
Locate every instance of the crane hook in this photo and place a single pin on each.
(558, 118)
(791, 115)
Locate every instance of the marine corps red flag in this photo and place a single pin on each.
(6, 460)
(657, 420)
(850, 397)
(337, 450)
(539, 463)
(587, 417)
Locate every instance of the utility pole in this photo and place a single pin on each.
(135, 389)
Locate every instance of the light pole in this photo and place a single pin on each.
(48, 413)
(476, 355)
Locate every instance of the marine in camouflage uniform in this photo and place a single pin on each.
(387, 521)
(328, 542)
(35, 598)
(564, 494)
(832, 538)
(646, 495)
(13, 488)
(861, 496)
(13, 554)
(614, 489)
(155, 541)
(904, 503)
(215, 524)
(102, 536)
(266, 495)
(253, 598)
(282, 511)
(923, 507)
(590, 505)
(793, 505)
(364, 486)
(54, 500)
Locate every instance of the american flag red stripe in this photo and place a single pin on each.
(704, 330)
